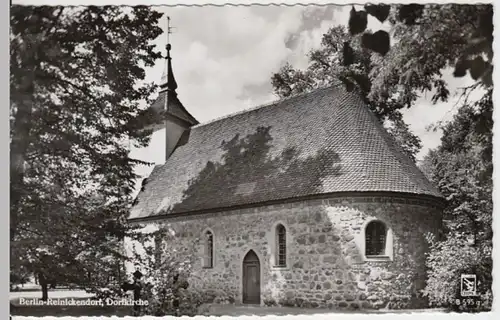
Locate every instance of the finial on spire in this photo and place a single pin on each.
(169, 47)
(169, 31)
(168, 80)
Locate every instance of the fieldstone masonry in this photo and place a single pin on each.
(326, 265)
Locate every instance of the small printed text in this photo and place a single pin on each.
(82, 302)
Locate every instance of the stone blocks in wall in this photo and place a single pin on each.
(326, 263)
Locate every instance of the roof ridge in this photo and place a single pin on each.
(267, 104)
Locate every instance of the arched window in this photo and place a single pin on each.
(375, 237)
(209, 250)
(280, 246)
(158, 249)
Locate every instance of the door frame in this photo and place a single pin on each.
(261, 273)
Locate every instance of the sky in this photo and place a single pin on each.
(223, 59)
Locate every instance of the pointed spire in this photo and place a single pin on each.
(168, 79)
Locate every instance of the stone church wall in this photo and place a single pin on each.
(326, 265)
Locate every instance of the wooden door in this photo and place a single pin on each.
(251, 278)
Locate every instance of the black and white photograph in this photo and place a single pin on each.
(303, 159)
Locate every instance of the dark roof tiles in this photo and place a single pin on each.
(322, 142)
(175, 107)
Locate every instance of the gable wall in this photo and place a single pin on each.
(325, 261)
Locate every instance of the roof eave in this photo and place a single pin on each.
(437, 200)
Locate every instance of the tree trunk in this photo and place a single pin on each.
(45, 287)
(137, 297)
(45, 291)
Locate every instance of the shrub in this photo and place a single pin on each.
(462, 170)
(105, 293)
(212, 293)
(270, 302)
(286, 302)
(447, 261)
(166, 273)
(224, 298)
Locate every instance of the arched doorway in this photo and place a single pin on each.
(251, 278)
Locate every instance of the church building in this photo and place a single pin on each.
(307, 201)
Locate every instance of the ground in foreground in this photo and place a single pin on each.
(208, 310)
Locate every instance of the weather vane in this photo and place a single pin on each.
(168, 46)
(169, 29)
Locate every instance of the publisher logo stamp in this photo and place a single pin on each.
(468, 285)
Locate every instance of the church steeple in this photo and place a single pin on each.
(168, 79)
(176, 120)
(167, 111)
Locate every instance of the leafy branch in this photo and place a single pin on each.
(479, 41)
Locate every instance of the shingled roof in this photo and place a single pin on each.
(326, 141)
(174, 107)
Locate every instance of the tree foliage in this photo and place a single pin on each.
(78, 245)
(76, 83)
(462, 169)
(426, 39)
(342, 57)
(166, 285)
(392, 70)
